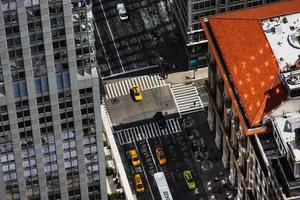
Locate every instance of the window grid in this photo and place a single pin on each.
(90, 141)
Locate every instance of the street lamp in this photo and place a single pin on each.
(194, 73)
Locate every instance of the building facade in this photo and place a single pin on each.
(187, 14)
(254, 88)
(50, 138)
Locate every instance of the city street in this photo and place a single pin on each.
(136, 43)
(179, 158)
(186, 140)
(192, 148)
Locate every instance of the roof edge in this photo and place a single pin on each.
(246, 130)
(219, 15)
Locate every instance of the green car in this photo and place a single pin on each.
(189, 179)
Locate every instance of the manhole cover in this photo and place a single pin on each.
(115, 100)
(206, 165)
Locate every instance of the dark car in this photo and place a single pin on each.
(161, 120)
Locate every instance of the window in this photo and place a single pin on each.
(20, 89)
(63, 80)
(22, 104)
(41, 85)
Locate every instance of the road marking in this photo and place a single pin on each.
(152, 155)
(138, 134)
(169, 124)
(157, 129)
(155, 81)
(126, 86)
(141, 83)
(172, 176)
(150, 132)
(109, 90)
(187, 98)
(146, 131)
(121, 140)
(112, 37)
(114, 91)
(152, 129)
(135, 135)
(106, 57)
(144, 172)
(122, 87)
(147, 83)
(128, 134)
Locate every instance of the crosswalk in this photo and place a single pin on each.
(186, 98)
(123, 87)
(146, 131)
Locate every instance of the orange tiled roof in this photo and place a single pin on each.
(249, 59)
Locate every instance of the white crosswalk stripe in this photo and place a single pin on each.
(123, 87)
(146, 131)
(187, 98)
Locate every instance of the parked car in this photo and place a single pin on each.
(136, 93)
(187, 174)
(122, 11)
(139, 186)
(160, 156)
(134, 157)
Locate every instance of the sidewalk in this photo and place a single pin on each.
(117, 164)
(186, 77)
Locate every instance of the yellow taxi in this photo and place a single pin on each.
(160, 156)
(136, 92)
(139, 186)
(134, 157)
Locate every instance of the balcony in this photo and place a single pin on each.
(221, 112)
(220, 84)
(243, 163)
(228, 130)
(235, 150)
(235, 123)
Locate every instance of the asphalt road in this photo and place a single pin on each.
(177, 141)
(179, 157)
(132, 44)
(203, 160)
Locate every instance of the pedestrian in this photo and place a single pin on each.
(173, 66)
(195, 103)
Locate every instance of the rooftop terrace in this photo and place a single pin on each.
(288, 126)
(283, 35)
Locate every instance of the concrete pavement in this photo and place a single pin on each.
(183, 77)
(186, 77)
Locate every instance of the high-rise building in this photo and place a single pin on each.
(50, 129)
(187, 14)
(254, 89)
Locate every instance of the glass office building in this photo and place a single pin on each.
(51, 142)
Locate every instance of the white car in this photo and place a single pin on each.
(122, 11)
